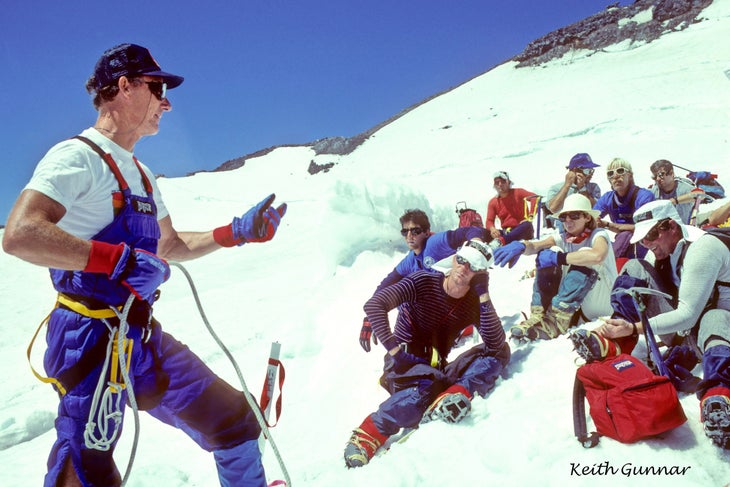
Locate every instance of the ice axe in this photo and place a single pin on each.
(636, 293)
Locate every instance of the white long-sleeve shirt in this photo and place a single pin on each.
(706, 261)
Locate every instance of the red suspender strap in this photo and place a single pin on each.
(108, 159)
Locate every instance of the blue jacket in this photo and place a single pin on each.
(621, 210)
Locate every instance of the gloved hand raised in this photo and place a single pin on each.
(403, 361)
(365, 333)
(509, 254)
(549, 258)
(139, 271)
(258, 224)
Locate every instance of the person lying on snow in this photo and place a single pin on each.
(433, 309)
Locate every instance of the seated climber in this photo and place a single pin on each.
(578, 276)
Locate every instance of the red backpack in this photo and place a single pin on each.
(628, 402)
(467, 216)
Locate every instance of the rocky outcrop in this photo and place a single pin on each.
(612, 26)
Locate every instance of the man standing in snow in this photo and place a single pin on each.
(694, 268)
(433, 310)
(93, 214)
(511, 206)
(426, 248)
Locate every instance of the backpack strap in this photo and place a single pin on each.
(580, 426)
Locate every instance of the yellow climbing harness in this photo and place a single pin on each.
(83, 310)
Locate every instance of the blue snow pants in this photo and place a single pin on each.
(169, 382)
(412, 393)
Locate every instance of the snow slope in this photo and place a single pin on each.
(668, 99)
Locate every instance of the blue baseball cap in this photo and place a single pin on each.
(581, 160)
(129, 60)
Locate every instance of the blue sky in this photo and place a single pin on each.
(257, 73)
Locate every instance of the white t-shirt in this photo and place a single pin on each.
(597, 302)
(75, 176)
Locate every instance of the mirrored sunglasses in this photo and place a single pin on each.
(653, 234)
(414, 230)
(588, 171)
(573, 215)
(620, 171)
(157, 88)
(476, 267)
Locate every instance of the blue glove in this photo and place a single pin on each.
(509, 253)
(404, 361)
(258, 224)
(546, 258)
(141, 272)
(680, 360)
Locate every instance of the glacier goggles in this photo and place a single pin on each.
(619, 171)
(476, 255)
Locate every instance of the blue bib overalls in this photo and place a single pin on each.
(169, 381)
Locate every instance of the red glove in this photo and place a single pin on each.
(139, 271)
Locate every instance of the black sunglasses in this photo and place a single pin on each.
(617, 172)
(415, 231)
(661, 174)
(157, 88)
(573, 215)
(653, 234)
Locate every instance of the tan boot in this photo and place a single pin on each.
(526, 329)
(555, 323)
(363, 444)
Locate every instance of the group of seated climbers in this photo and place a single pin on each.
(594, 236)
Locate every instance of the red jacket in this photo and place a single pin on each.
(510, 209)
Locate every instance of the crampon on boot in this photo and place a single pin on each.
(592, 346)
(715, 415)
(526, 330)
(363, 444)
(450, 406)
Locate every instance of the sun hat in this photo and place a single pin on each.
(578, 202)
(652, 213)
(476, 252)
(581, 160)
(129, 60)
